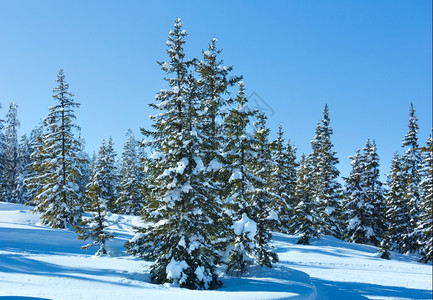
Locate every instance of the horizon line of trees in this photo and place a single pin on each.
(213, 188)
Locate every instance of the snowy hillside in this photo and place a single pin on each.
(44, 263)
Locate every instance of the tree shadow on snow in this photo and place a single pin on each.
(13, 263)
(334, 290)
(51, 242)
(263, 279)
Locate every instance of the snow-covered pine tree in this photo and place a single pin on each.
(263, 204)
(182, 218)
(425, 220)
(2, 160)
(11, 193)
(398, 212)
(212, 86)
(283, 179)
(327, 190)
(305, 220)
(99, 192)
(131, 197)
(363, 198)
(238, 155)
(374, 192)
(105, 166)
(35, 164)
(24, 160)
(412, 163)
(357, 211)
(56, 163)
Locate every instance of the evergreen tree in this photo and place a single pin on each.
(56, 163)
(398, 212)
(385, 246)
(305, 218)
(181, 214)
(374, 192)
(357, 211)
(24, 162)
(131, 197)
(212, 89)
(425, 221)
(36, 159)
(105, 166)
(99, 193)
(11, 193)
(264, 207)
(239, 155)
(411, 163)
(2, 160)
(283, 179)
(327, 190)
(363, 198)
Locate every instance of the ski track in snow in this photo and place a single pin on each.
(37, 262)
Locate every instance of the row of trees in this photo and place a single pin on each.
(212, 188)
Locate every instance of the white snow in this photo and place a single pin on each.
(40, 262)
(235, 176)
(181, 165)
(175, 89)
(245, 225)
(174, 269)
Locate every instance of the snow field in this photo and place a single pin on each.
(37, 261)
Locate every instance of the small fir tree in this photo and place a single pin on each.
(305, 220)
(283, 179)
(99, 192)
(24, 162)
(11, 192)
(131, 197)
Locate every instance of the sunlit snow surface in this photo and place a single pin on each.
(37, 262)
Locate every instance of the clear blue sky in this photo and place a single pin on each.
(366, 59)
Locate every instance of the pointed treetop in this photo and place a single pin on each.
(411, 138)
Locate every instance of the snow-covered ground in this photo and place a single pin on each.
(37, 262)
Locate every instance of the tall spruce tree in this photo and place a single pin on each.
(375, 192)
(397, 210)
(283, 179)
(131, 196)
(263, 202)
(2, 160)
(239, 155)
(56, 162)
(98, 194)
(425, 221)
(412, 162)
(305, 220)
(181, 214)
(212, 87)
(327, 190)
(11, 193)
(363, 198)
